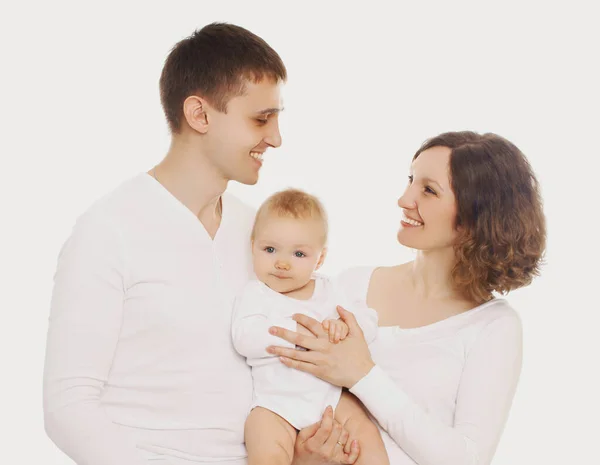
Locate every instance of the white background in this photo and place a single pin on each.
(80, 113)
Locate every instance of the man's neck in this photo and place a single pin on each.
(192, 179)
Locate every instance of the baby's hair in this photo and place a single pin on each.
(292, 203)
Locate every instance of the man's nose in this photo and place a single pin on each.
(274, 136)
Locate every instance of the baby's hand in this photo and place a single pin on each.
(338, 330)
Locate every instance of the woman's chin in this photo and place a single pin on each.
(406, 241)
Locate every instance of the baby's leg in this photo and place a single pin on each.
(353, 417)
(269, 438)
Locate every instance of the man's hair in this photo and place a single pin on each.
(215, 62)
(292, 203)
(502, 227)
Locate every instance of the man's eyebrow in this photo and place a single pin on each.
(270, 111)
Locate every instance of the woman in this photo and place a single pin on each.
(441, 375)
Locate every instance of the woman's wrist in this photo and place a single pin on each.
(362, 371)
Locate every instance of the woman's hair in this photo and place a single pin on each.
(500, 218)
(292, 203)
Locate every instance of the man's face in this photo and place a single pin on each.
(237, 140)
(286, 251)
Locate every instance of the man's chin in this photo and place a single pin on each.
(250, 181)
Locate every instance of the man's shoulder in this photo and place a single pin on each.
(115, 203)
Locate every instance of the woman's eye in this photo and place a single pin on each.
(429, 190)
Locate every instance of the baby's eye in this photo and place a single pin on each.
(269, 249)
(299, 254)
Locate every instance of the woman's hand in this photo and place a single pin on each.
(342, 364)
(325, 443)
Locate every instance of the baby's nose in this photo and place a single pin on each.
(282, 265)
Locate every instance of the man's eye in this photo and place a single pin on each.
(262, 121)
(269, 249)
(299, 254)
(410, 179)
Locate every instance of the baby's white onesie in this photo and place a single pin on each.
(298, 397)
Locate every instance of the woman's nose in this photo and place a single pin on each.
(407, 201)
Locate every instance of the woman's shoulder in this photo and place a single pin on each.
(491, 320)
(494, 310)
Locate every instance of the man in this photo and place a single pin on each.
(139, 361)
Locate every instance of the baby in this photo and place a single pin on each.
(288, 245)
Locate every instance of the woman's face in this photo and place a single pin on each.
(428, 203)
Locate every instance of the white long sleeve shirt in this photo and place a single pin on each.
(139, 361)
(442, 393)
(296, 396)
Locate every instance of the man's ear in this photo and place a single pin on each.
(194, 112)
(321, 258)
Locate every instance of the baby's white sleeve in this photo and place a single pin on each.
(366, 318)
(351, 288)
(251, 322)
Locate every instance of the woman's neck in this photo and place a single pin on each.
(431, 274)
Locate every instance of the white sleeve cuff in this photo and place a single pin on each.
(380, 395)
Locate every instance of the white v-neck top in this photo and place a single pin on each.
(139, 360)
(441, 393)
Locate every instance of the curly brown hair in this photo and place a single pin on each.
(500, 218)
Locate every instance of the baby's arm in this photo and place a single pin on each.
(251, 322)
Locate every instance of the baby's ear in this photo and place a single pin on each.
(321, 258)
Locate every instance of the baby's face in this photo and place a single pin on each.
(286, 251)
